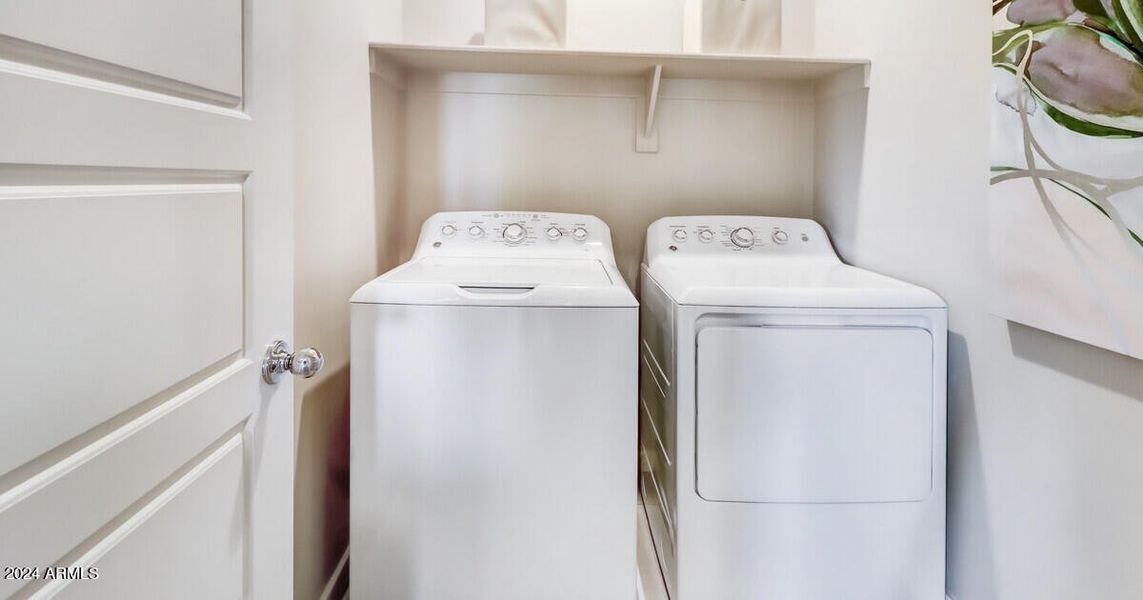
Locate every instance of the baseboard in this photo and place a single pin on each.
(335, 578)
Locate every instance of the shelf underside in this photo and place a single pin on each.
(480, 59)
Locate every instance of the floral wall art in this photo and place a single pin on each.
(1066, 201)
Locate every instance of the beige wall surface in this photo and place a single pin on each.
(479, 142)
(336, 252)
(1045, 433)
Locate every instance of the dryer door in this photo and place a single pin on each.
(814, 414)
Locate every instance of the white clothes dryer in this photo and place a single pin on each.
(793, 417)
(494, 415)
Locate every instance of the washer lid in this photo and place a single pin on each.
(494, 258)
(490, 281)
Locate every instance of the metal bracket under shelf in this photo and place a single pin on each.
(646, 133)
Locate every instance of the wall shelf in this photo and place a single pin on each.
(481, 59)
(630, 137)
(653, 68)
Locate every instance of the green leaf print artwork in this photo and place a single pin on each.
(1066, 204)
(1082, 62)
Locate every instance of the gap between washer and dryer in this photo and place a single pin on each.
(650, 585)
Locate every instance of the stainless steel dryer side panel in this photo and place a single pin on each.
(658, 423)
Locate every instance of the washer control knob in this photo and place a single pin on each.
(780, 237)
(742, 237)
(448, 230)
(680, 235)
(514, 233)
(554, 233)
(579, 233)
(476, 232)
(706, 236)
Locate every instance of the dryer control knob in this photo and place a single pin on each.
(476, 232)
(514, 233)
(680, 235)
(448, 230)
(780, 237)
(706, 235)
(579, 233)
(554, 233)
(742, 237)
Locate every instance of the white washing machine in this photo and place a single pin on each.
(793, 417)
(495, 416)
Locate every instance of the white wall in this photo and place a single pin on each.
(1046, 434)
(336, 251)
(563, 144)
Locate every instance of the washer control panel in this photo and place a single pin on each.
(510, 233)
(744, 236)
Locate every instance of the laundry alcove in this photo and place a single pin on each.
(630, 137)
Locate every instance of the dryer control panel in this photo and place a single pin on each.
(737, 236)
(511, 233)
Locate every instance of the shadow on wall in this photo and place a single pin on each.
(1092, 364)
(388, 130)
(968, 532)
(323, 453)
(839, 159)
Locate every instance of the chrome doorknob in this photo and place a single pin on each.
(304, 363)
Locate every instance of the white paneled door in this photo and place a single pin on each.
(146, 261)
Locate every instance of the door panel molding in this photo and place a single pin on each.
(115, 126)
(216, 478)
(137, 457)
(199, 43)
(34, 468)
(83, 67)
(76, 175)
(86, 265)
(111, 86)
